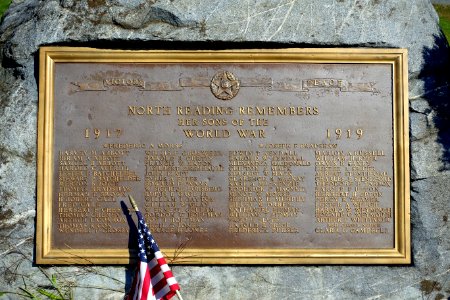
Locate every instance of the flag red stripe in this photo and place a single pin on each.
(146, 286)
(155, 270)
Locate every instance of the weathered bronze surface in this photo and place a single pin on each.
(282, 156)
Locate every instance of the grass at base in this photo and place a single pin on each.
(443, 11)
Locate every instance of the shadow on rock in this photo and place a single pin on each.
(436, 78)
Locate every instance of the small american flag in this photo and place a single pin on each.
(153, 279)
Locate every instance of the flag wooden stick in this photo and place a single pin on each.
(135, 207)
(179, 295)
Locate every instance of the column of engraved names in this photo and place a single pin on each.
(110, 181)
(247, 185)
(369, 215)
(348, 192)
(177, 199)
(265, 190)
(286, 189)
(90, 182)
(74, 205)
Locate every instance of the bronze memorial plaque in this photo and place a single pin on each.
(290, 156)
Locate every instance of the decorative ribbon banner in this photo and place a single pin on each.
(287, 85)
(341, 84)
(89, 86)
(206, 81)
(324, 83)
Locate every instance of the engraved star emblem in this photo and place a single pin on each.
(224, 85)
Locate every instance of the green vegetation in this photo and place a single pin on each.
(55, 289)
(4, 4)
(444, 18)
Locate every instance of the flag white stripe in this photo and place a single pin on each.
(165, 268)
(172, 281)
(150, 295)
(158, 255)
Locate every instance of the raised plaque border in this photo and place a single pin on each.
(397, 58)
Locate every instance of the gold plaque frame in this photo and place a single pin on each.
(396, 58)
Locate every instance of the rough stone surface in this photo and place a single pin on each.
(214, 24)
